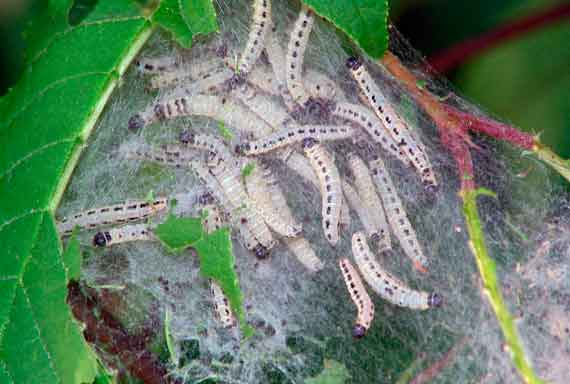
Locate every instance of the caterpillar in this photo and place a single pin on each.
(124, 234)
(302, 249)
(258, 31)
(205, 142)
(237, 217)
(396, 214)
(229, 178)
(154, 65)
(330, 187)
(276, 58)
(320, 86)
(212, 81)
(364, 214)
(222, 310)
(295, 55)
(393, 122)
(387, 286)
(294, 135)
(359, 296)
(167, 154)
(194, 70)
(367, 192)
(366, 119)
(129, 211)
(269, 201)
(265, 108)
(216, 107)
(212, 218)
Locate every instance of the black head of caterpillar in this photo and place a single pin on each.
(353, 63)
(435, 300)
(261, 252)
(100, 239)
(206, 199)
(186, 137)
(358, 331)
(309, 142)
(136, 122)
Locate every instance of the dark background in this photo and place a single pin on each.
(523, 78)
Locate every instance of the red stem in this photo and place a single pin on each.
(463, 51)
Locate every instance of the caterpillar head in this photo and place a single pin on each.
(358, 331)
(309, 142)
(136, 122)
(353, 63)
(100, 239)
(435, 300)
(261, 252)
(187, 137)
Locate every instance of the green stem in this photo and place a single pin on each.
(487, 270)
(549, 157)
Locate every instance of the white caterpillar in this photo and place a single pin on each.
(201, 69)
(359, 296)
(393, 122)
(320, 86)
(267, 109)
(302, 249)
(269, 201)
(229, 178)
(366, 119)
(365, 216)
(124, 234)
(212, 218)
(330, 187)
(296, 134)
(127, 212)
(204, 142)
(216, 107)
(156, 65)
(222, 310)
(211, 82)
(295, 55)
(396, 214)
(367, 192)
(258, 31)
(387, 286)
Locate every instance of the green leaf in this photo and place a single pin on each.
(72, 258)
(217, 262)
(45, 120)
(179, 233)
(334, 373)
(185, 19)
(247, 169)
(365, 21)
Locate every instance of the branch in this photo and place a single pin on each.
(465, 50)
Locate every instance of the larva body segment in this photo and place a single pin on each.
(344, 214)
(360, 298)
(296, 134)
(302, 166)
(365, 216)
(302, 249)
(394, 123)
(367, 192)
(320, 86)
(195, 70)
(219, 108)
(211, 82)
(397, 216)
(229, 178)
(127, 212)
(204, 142)
(367, 120)
(387, 286)
(222, 309)
(163, 155)
(264, 107)
(212, 218)
(124, 234)
(330, 187)
(157, 65)
(268, 201)
(295, 55)
(258, 31)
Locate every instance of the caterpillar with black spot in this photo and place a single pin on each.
(258, 31)
(387, 286)
(396, 214)
(360, 298)
(237, 215)
(267, 109)
(196, 70)
(393, 122)
(269, 201)
(366, 119)
(210, 82)
(330, 187)
(229, 177)
(127, 212)
(320, 86)
(222, 309)
(219, 108)
(205, 142)
(211, 218)
(295, 55)
(303, 251)
(295, 134)
(156, 65)
(363, 213)
(124, 234)
(170, 155)
(367, 192)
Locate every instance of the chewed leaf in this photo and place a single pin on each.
(365, 21)
(179, 233)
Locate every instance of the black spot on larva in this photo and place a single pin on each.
(353, 63)
(205, 198)
(261, 252)
(99, 240)
(136, 122)
(358, 331)
(309, 142)
(435, 300)
(186, 137)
